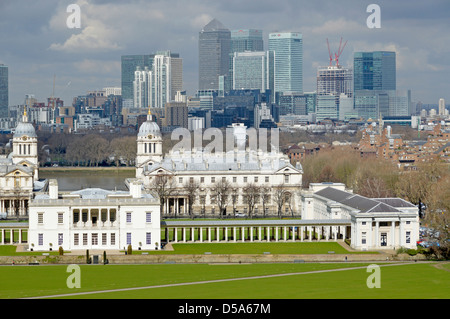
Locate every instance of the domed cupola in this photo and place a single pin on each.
(149, 145)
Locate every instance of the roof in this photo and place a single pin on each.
(395, 202)
(215, 25)
(361, 203)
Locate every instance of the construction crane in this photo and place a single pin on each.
(336, 54)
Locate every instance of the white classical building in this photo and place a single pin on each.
(19, 171)
(94, 219)
(270, 171)
(376, 223)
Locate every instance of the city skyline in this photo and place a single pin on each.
(37, 44)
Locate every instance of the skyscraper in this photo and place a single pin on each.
(129, 66)
(4, 91)
(214, 47)
(247, 40)
(155, 86)
(288, 65)
(333, 81)
(441, 107)
(251, 70)
(374, 70)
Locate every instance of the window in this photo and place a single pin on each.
(85, 239)
(363, 223)
(267, 179)
(76, 239)
(234, 179)
(94, 239)
(202, 179)
(408, 222)
(128, 238)
(256, 179)
(40, 218)
(76, 216)
(84, 215)
(224, 179)
(408, 237)
(60, 218)
(128, 217)
(286, 178)
(245, 179)
(60, 239)
(213, 179)
(112, 215)
(148, 217)
(40, 239)
(363, 238)
(104, 239)
(191, 180)
(113, 239)
(148, 238)
(180, 180)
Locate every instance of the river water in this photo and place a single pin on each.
(72, 180)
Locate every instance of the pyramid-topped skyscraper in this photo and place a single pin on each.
(214, 47)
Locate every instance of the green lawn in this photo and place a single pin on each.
(419, 280)
(257, 248)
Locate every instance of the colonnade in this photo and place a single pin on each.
(251, 233)
(9, 206)
(9, 232)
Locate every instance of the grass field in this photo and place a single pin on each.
(406, 281)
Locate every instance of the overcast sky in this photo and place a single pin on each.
(36, 44)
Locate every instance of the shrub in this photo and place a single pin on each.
(61, 251)
(129, 250)
(88, 259)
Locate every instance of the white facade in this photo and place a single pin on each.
(240, 167)
(376, 223)
(94, 219)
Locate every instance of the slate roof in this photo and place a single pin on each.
(361, 203)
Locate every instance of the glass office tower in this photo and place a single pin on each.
(374, 70)
(4, 93)
(288, 65)
(214, 47)
(129, 66)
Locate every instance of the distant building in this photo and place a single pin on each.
(288, 65)
(374, 70)
(441, 107)
(4, 91)
(253, 70)
(214, 47)
(129, 63)
(176, 114)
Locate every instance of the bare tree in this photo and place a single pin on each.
(221, 191)
(190, 188)
(281, 196)
(265, 197)
(251, 197)
(164, 186)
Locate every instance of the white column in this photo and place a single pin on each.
(243, 233)
(377, 235)
(234, 233)
(184, 234)
(209, 234)
(393, 234)
(251, 233)
(259, 231)
(276, 233)
(217, 234)
(201, 234)
(301, 233)
(284, 233)
(310, 233)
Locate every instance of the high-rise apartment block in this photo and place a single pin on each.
(441, 107)
(155, 86)
(288, 65)
(214, 47)
(4, 91)
(130, 63)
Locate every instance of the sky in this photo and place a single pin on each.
(38, 47)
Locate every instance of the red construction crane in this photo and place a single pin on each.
(336, 54)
